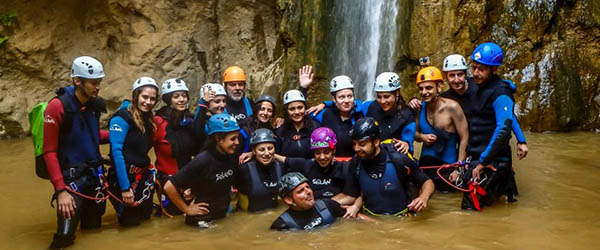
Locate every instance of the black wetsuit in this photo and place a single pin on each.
(311, 218)
(384, 181)
(325, 182)
(210, 176)
(330, 117)
(240, 110)
(292, 143)
(258, 185)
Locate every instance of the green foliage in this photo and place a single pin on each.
(8, 19)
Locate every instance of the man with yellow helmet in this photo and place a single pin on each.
(441, 126)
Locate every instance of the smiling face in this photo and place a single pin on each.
(365, 149)
(228, 143)
(457, 80)
(217, 105)
(481, 72)
(265, 112)
(264, 153)
(146, 98)
(179, 100)
(429, 90)
(235, 90)
(296, 111)
(387, 100)
(302, 196)
(344, 100)
(324, 156)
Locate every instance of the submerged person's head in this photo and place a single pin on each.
(262, 142)
(294, 106)
(224, 132)
(322, 143)
(429, 83)
(387, 88)
(296, 192)
(365, 135)
(342, 91)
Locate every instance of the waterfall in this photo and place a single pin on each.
(364, 40)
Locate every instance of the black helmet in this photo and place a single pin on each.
(365, 128)
(261, 135)
(289, 182)
(267, 98)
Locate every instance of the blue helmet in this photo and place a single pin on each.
(221, 123)
(488, 54)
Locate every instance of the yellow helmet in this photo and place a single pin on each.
(234, 74)
(429, 74)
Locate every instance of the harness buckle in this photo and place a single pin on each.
(72, 173)
(73, 186)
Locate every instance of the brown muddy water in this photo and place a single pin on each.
(557, 209)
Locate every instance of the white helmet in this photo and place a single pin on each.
(172, 85)
(144, 81)
(293, 96)
(87, 67)
(216, 87)
(339, 83)
(387, 82)
(454, 62)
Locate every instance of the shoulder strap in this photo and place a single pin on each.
(70, 112)
(289, 221)
(246, 139)
(248, 106)
(324, 212)
(278, 170)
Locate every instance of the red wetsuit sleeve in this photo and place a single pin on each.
(104, 136)
(52, 122)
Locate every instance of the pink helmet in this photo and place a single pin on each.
(322, 137)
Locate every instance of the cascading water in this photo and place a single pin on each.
(365, 34)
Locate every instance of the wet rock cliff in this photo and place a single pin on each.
(551, 47)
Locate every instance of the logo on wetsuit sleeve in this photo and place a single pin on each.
(49, 119)
(224, 175)
(116, 128)
(321, 181)
(314, 223)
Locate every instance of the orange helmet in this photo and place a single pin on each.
(429, 74)
(234, 74)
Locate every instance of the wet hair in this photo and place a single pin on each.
(142, 120)
(211, 143)
(253, 123)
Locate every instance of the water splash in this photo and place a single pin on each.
(365, 33)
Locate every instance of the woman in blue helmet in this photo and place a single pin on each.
(209, 175)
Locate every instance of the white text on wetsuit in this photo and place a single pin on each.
(321, 181)
(313, 223)
(224, 175)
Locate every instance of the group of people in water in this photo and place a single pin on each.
(342, 158)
